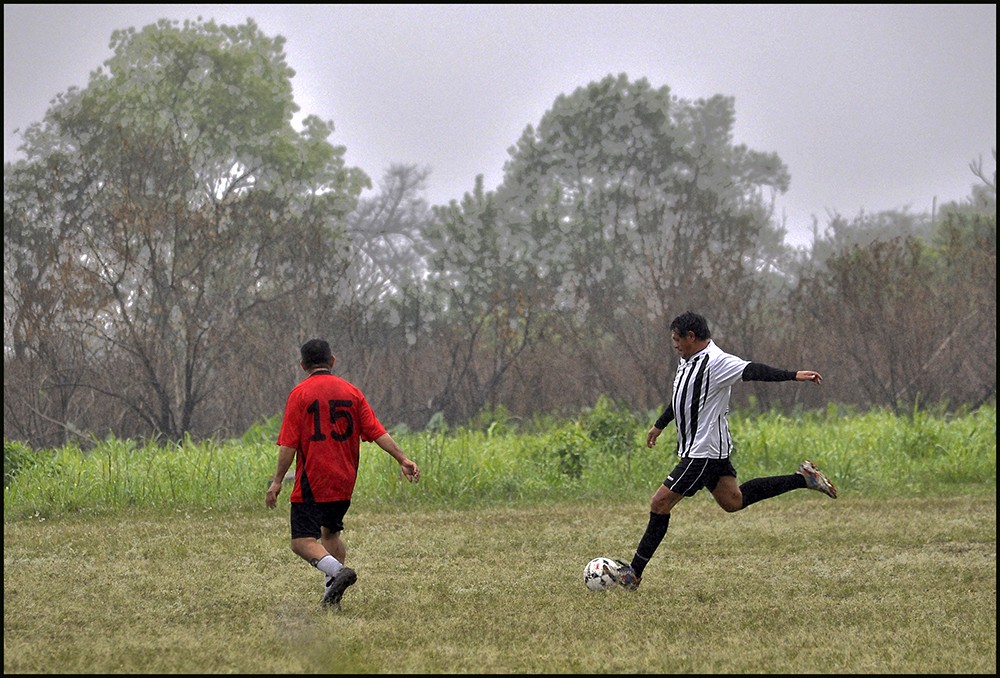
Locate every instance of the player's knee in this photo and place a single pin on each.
(299, 548)
(730, 503)
(660, 506)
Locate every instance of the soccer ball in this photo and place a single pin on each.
(600, 574)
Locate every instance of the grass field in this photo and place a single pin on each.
(797, 584)
(147, 558)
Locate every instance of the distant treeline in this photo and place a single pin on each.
(171, 240)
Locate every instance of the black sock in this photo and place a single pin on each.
(655, 531)
(765, 488)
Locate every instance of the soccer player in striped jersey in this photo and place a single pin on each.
(700, 405)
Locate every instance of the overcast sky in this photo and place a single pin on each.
(871, 107)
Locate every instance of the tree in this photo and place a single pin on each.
(375, 316)
(914, 321)
(484, 279)
(967, 240)
(875, 305)
(654, 210)
(157, 214)
(910, 301)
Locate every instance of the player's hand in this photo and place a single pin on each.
(409, 470)
(809, 375)
(652, 435)
(271, 498)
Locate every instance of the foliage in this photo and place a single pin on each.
(916, 317)
(614, 430)
(569, 445)
(170, 240)
(494, 421)
(484, 282)
(263, 432)
(612, 426)
(159, 213)
(622, 198)
(600, 456)
(17, 456)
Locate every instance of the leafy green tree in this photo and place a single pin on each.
(159, 211)
(654, 210)
(639, 171)
(484, 279)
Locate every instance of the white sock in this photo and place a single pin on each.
(329, 565)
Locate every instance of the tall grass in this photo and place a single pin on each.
(599, 455)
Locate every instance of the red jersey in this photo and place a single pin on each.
(325, 420)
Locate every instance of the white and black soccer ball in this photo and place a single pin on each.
(600, 574)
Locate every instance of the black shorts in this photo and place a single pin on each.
(308, 517)
(690, 475)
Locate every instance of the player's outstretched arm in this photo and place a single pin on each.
(760, 372)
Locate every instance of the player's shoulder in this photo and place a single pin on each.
(717, 354)
(714, 351)
(346, 387)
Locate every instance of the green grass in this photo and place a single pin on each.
(600, 456)
(144, 558)
(798, 584)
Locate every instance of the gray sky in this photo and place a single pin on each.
(871, 107)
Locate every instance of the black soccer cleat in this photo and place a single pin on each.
(337, 585)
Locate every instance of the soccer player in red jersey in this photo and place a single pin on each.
(325, 420)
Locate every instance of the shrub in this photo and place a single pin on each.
(17, 456)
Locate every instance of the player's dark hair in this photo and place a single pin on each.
(316, 353)
(689, 321)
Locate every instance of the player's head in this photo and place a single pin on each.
(689, 321)
(316, 353)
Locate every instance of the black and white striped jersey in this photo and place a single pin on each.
(700, 402)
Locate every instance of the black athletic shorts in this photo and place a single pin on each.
(690, 475)
(308, 517)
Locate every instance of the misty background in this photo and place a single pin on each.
(871, 107)
(180, 220)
